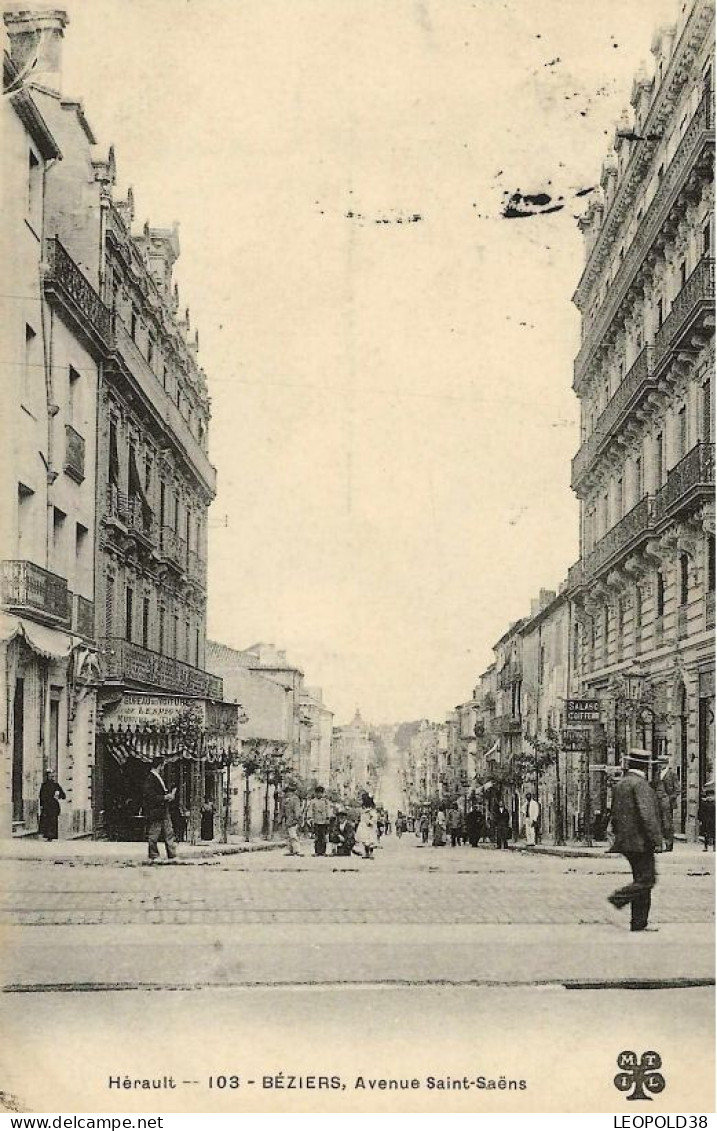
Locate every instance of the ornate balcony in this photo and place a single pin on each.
(698, 136)
(30, 590)
(83, 621)
(625, 399)
(132, 513)
(197, 568)
(691, 479)
(64, 278)
(124, 662)
(507, 724)
(173, 548)
(635, 526)
(694, 302)
(74, 454)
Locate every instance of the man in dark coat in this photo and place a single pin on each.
(666, 790)
(638, 836)
(50, 795)
(502, 825)
(345, 834)
(156, 799)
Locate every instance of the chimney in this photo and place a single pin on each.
(35, 37)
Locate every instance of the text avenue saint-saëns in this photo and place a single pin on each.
(287, 1082)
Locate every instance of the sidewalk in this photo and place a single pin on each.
(87, 851)
(683, 850)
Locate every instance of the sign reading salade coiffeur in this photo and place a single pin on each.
(582, 711)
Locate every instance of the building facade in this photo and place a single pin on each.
(130, 412)
(644, 473)
(47, 474)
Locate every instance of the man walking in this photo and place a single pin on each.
(318, 815)
(532, 813)
(292, 818)
(666, 791)
(638, 836)
(156, 799)
(454, 825)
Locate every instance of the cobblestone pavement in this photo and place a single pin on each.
(405, 883)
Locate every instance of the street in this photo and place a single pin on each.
(441, 962)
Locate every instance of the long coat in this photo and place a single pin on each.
(635, 816)
(154, 802)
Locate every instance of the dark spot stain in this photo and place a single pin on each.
(585, 191)
(553, 62)
(520, 206)
(539, 198)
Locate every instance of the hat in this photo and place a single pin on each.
(640, 759)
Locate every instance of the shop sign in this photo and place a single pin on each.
(151, 710)
(582, 711)
(574, 739)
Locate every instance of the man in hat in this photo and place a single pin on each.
(706, 814)
(292, 817)
(638, 836)
(319, 814)
(156, 799)
(666, 790)
(345, 834)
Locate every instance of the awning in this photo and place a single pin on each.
(52, 643)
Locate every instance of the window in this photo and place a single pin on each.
(128, 613)
(659, 313)
(710, 565)
(147, 473)
(25, 510)
(145, 622)
(659, 460)
(114, 472)
(196, 648)
(684, 578)
(660, 598)
(639, 481)
(165, 377)
(605, 629)
(151, 350)
(58, 541)
(53, 751)
(134, 324)
(683, 274)
(682, 432)
(707, 238)
(175, 635)
(81, 555)
(31, 360)
(619, 500)
(176, 514)
(576, 645)
(74, 408)
(638, 609)
(162, 618)
(162, 503)
(34, 192)
(707, 411)
(110, 606)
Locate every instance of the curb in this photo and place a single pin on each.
(191, 856)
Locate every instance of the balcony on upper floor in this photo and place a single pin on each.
(173, 548)
(635, 528)
(690, 482)
(65, 281)
(125, 662)
(197, 568)
(507, 724)
(695, 146)
(29, 590)
(132, 513)
(632, 389)
(691, 315)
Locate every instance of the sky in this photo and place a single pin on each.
(388, 340)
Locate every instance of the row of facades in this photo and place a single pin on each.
(633, 623)
(106, 485)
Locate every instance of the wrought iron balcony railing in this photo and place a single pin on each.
(697, 296)
(132, 512)
(64, 275)
(699, 132)
(74, 454)
(626, 397)
(128, 662)
(636, 523)
(173, 548)
(32, 590)
(688, 480)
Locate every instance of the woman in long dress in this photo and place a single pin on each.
(367, 831)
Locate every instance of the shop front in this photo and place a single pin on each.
(198, 739)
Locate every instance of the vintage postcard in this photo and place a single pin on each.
(357, 557)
